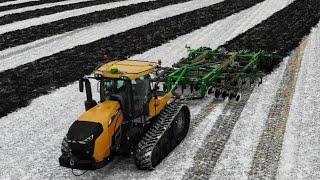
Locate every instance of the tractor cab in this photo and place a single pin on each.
(129, 83)
(133, 95)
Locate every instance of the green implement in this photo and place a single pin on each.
(206, 70)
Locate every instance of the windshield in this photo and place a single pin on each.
(111, 86)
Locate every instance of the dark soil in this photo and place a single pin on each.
(26, 4)
(23, 36)
(282, 32)
(10, 18)
(1, 1)
(26, 82)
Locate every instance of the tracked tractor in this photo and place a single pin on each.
(132, 117)
(141, 110)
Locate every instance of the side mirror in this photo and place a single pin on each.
(81, 85)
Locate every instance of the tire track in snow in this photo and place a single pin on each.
(55, 110)
(267, 155)
(300, 155)
(235, 160)
(207, 156)
(68, 66)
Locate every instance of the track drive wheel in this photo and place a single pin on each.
(165, 134)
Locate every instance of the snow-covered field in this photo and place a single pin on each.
(30, 8)
(30, 137)
(301, 149)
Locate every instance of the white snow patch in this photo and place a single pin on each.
(235, 160)
(63, 15)
(15, 2)
(13, 57)
(33, 134)
(300, 156)
(175, 165)
(41, 6)
(216, 33)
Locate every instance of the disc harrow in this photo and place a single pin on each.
(218, 72)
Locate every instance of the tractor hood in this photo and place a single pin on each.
(101, 113)
(93, 121)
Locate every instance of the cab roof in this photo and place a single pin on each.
(132, 69)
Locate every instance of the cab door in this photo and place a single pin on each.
(141, 92)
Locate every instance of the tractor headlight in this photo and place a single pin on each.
(88, 139)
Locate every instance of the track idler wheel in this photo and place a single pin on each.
(210, 90)
(238, 97)
(163, 136)
(260, 81)
(217, 93)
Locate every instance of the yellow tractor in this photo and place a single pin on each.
(138, 112)
(132, 117)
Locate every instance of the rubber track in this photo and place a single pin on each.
(26, 82)
(33, 33)
(207, 156)
(266, 159)
(26, 4)
(10, 18)
(160, 131)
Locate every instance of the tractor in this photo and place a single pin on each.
(131, 117)
(142, 109)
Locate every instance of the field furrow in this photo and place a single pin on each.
(11, 14)
(22, 28)
(300, 155)
(49, 73)
(10, 18)
(272, 133)
(25, 3)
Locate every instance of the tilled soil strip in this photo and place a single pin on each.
(6, 1)
(50, 10)
(33, 33)
(26, 4)
(267, 155)
(283, 31)
(207, 156)
(26, 82)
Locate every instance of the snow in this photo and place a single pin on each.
(216, 33)
(181, 158)
(31, 137)
(19, 55)
(235, 160)
(300, 157)
(63, 15)
(15, 2)
(30, 8)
